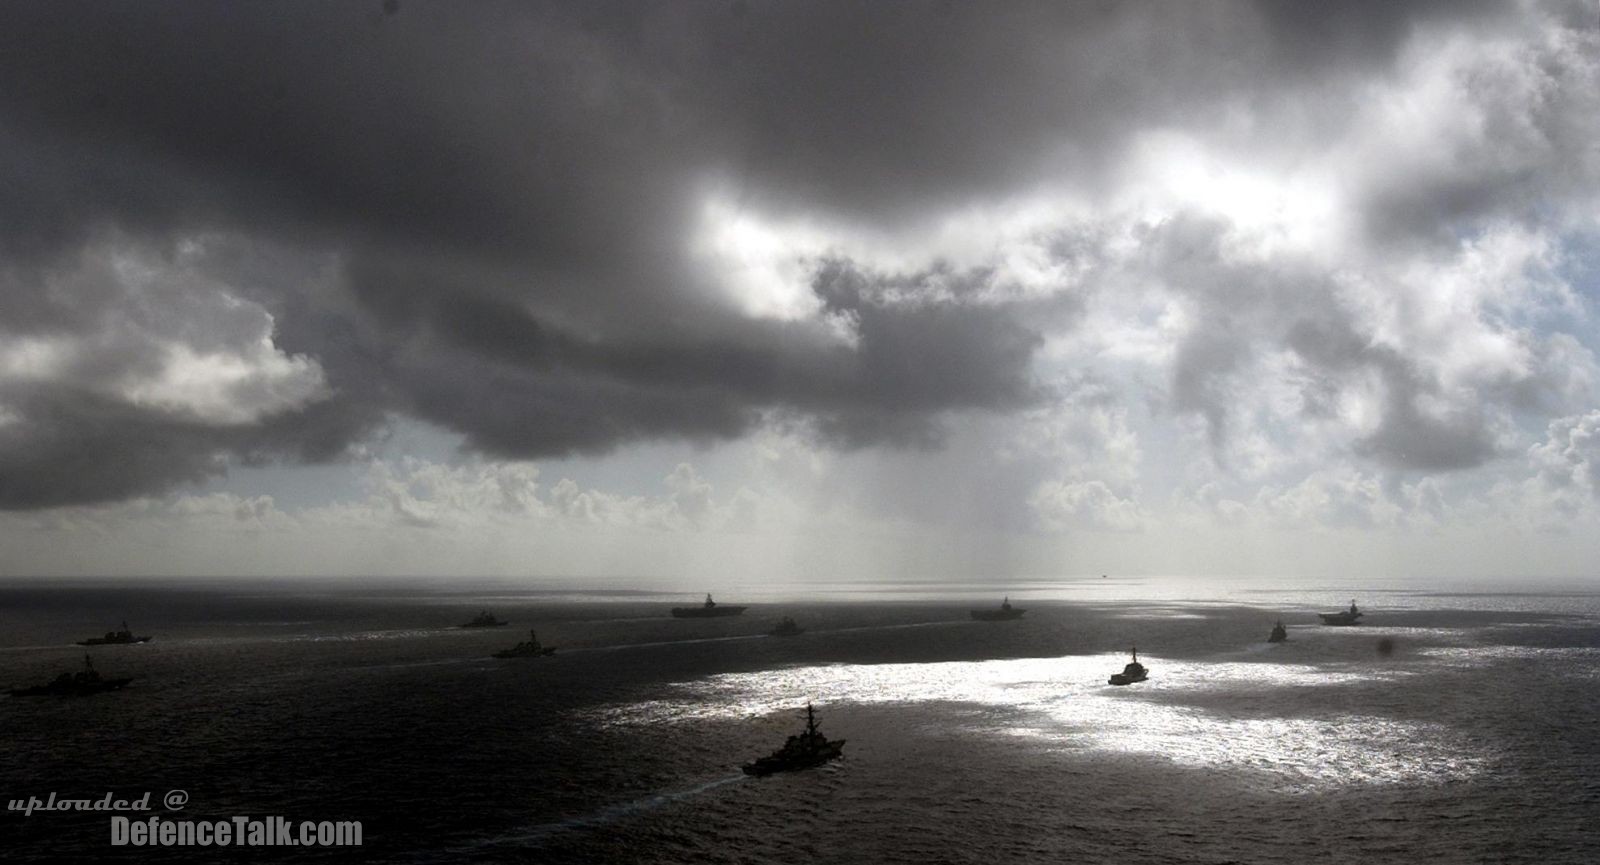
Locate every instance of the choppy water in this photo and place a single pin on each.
(1474, 739)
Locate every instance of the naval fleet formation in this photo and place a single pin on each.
(803, 750)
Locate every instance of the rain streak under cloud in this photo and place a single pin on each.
(769, 288)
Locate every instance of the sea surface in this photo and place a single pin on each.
(1453, 726)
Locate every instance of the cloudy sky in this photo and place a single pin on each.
(755, 290)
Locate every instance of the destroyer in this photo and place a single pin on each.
(802, 751)
(529, 648)
(485, 619)
(1133, 672)
(1279, 634)
(1344, 617)
(708, 610)
(115, 638)
(80, 684)
(1005, 613)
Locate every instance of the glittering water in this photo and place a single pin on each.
(1065, 703)
(1455, 727)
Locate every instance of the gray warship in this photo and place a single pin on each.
(802, 751)
(484, 619)
(1343, 617)
(80, 684)
(529, 648)
(1005, 613)
(786, 628)
(708, 610)
(115, 638)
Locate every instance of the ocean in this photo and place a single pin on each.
(1452, 726)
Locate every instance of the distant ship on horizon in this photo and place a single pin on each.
(529, 648)
(485, 619)
(1343, 617)
(123, 637)
(1005, 613)
(708, 610)
(1279, 633)
(786, 628)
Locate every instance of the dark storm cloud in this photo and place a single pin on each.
(502, 192)
(523, 128)
(521, 387)
(76, 447)
(1332, 33)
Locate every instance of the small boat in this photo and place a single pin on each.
(529, 648)
(80, 684)
(123, 637)
(1343, 617)
(1133, 672)
(1005, 613)
(786, 628)
(1279, 634)
(802, 751)
(708, 610)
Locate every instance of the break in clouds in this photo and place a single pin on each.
(1128, 265)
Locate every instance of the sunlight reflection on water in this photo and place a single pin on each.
(1065, 704)
(1482, 656)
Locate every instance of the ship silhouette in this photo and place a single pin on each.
(803, 750)
(708, 610)
(529, 648)
(484, 619)
(1133, 672)
(80, 684)
(115, 638)
(1343, 617)
(1005, 613)
(787, 628)
(1279, 634)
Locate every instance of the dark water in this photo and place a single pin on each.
(1475, 738)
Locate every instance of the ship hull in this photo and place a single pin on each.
(1340, 620)
(539, 654)
(996, 615)
(771, 766)
(716, 612)
(73, 690)
(486, 625)
(102, 641)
